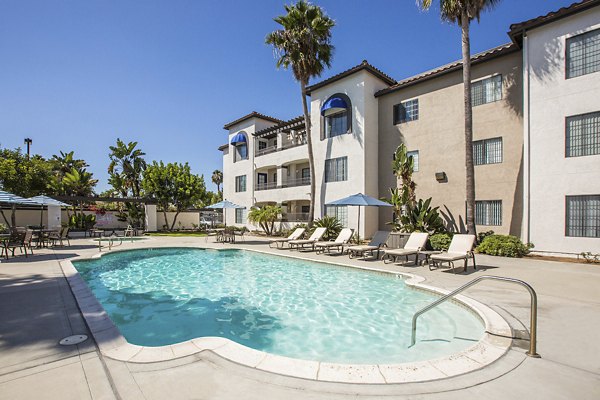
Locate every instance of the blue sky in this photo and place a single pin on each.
(77, 75)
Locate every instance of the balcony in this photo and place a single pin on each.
(294, 217)
(284, 146)
(286, 184)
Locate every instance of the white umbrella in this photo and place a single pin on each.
(225, 204)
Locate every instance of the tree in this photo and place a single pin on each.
(79, 182)
(23, 176)
(265, 217)
(403, 166)
(61, 165)
(217, 179)
(126, 167)
(462, 12)
(173, 185)
(304, 45)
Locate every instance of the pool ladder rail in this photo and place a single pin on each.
(533, 322)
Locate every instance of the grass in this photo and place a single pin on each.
(178, 234)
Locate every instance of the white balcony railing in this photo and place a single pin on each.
(294, 217)
(273, 149)
(286, 184)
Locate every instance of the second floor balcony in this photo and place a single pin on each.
(287, 183)
(284, 146)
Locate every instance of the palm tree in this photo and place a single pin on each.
(265, 217)
(462, 12)
(217, 179)
(304, 45)
(79, 182)
(128, 162)
(61, 165)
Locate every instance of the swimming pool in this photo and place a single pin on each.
(289, 307)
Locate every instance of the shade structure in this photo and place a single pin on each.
(47, 201)
(225, 204)
(239, 138)
(359, 200)
(333, 105)
(9, 198)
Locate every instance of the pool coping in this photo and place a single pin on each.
(495, 343)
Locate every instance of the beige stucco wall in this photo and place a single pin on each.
(438, 135)
(552, 98)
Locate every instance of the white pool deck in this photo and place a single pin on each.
(37, 309)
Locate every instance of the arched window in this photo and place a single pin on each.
(336, 115)
(240, 144)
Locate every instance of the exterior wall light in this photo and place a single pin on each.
(441, 177)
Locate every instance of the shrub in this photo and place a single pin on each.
(483, 235)
(3, 228)
(590, 257)
(331, 224)
(503, 245)
(421, 217)
(440, 241)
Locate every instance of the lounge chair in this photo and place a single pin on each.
(314, 238)
(296, 235)
(339, 242)
(379, 240)
(416, 242)
(461, 248)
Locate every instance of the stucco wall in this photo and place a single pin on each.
(551, 99)
(438, 135)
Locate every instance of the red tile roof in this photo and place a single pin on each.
(454, 66)
(364, 65)
(516, 30)
(253, 114)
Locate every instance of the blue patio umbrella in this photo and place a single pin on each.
(225, 204)
(47, 201)
(359, 200)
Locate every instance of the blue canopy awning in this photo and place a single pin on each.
(359, 199)
(333, 105)
(239, 138)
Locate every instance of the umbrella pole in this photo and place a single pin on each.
(41, 217)
(358, 232)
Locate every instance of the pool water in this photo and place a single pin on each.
(280, 305)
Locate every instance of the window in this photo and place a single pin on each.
(486, 90)
(339, 212)
(306, 175)
(336, 169)
(583, 54)
(488, 151)
(336, 124)
(583, 216)
(262, 145)
(240, 183)
(488, 212)
(240, 216)
(415, 155)
(406, 111)
(583, 135)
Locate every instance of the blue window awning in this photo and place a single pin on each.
(239, 138)
(334, 105)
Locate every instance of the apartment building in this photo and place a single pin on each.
(536, 121)
(561, 58)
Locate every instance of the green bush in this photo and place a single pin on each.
(482, 235)
(331, 224)
(503, 245)
(440, 241)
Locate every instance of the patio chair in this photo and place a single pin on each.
(16, 241)
(296, 235)
(314, 238)
(339, 242)
(461, 248)
(416, 242)
(378, 241)
(60, 237)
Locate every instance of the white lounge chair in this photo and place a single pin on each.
(416, 242)
(296, 235)
(314, 238)
(379, 240)
(339, 242)
(461, 248)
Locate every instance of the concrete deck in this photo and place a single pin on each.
(37, 309)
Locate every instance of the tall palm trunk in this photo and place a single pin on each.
(470, 169)
(311, 158)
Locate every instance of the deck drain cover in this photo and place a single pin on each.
(71, 340)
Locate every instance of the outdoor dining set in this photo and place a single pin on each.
(26, 239)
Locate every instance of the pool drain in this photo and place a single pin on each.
(72, 340)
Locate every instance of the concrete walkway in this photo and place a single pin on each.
(37, 309)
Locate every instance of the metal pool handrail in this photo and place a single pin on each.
(533, 323)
